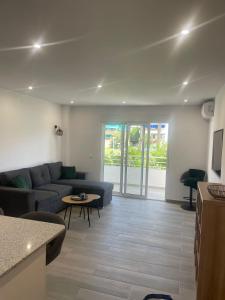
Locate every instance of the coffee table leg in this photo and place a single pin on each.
(98, 208)
(70, 216)
(83, 212)
(88, 217)
(65, 213)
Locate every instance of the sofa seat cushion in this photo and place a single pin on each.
(47, 201)
(44, 195)
(61, 190)
(40, 175)
(87, 185)
(103, 189)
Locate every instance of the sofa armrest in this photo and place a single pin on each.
(16, 202)
(81, 175)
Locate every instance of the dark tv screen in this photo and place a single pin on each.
(217, 151)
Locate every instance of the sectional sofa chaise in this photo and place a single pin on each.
(46, 189)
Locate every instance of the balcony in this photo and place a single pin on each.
(156, 175)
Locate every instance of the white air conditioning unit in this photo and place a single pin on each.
(208, 108)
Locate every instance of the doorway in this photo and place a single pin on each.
(135, 159)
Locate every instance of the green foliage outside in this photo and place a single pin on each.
(157, 155)
(157, 151)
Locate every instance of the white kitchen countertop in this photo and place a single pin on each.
(19, 238)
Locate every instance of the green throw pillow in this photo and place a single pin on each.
(68, 173)
(19, 182)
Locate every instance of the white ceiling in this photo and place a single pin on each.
(132, 47)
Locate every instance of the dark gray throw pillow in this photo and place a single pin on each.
(68, 173)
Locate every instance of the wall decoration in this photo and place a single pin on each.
(58, 130)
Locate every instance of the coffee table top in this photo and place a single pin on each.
(91, 197)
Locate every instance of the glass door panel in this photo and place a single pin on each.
(134, 160)
(113, 154)
(157, 161)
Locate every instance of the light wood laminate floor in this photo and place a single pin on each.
(137, 247)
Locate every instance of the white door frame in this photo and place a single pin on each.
(123, 167)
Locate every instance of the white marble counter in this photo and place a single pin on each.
(19, 238)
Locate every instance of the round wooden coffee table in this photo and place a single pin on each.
(82, 203)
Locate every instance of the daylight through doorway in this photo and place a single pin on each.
(135, 159)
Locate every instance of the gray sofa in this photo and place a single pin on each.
(46, 190)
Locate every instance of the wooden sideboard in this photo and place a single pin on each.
(209, 246)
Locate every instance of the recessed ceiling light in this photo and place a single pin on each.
(124, 102)
(185, 83)
(37, 46)
(30, 88)
(100, 86)
(29, 246)
(185, 32)
(185, 100)
(71, 102)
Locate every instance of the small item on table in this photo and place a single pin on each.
(75, 198)
(83, 196)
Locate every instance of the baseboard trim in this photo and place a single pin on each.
(176, 201)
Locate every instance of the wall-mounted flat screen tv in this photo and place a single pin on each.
(217, 151)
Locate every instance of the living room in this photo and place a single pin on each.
(69, 70)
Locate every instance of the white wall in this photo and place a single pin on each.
(188, 138)
(27, 131)
(66, 143)
(218, 122)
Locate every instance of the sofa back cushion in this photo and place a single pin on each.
(2, 178)
(55, 170)
(7, 177)
(40, 175)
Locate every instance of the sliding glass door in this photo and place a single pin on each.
(135, 158)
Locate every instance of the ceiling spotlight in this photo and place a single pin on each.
(71, 102)
(100, 86)
(29, 246)
(185, 100)
(185, 83)
(30, 88)
(37, 46)
(185, 32)
(124, 102)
